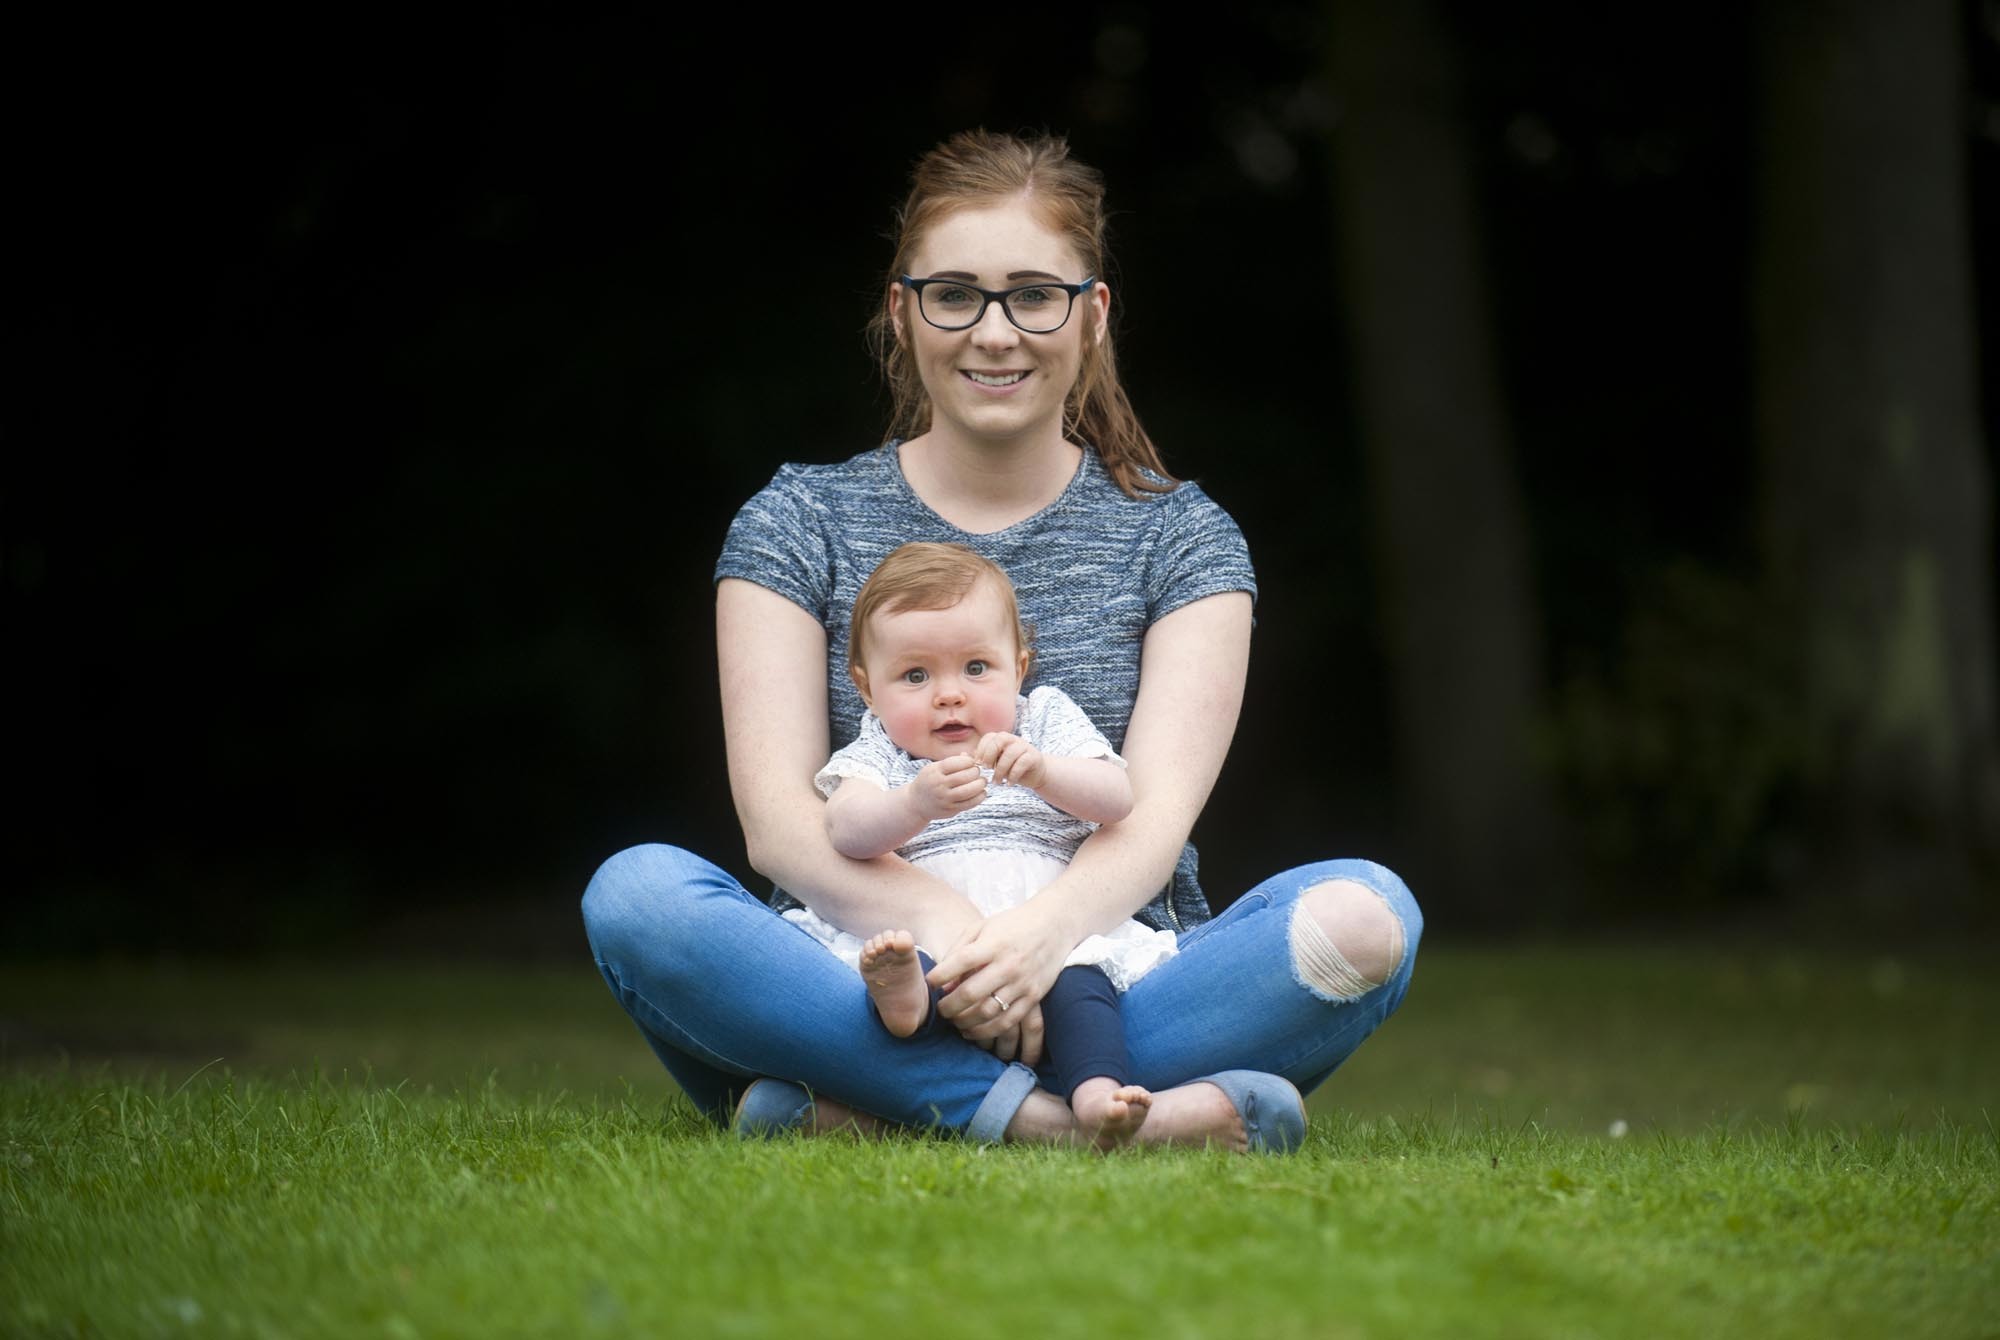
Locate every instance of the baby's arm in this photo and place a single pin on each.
(865, 820)
(1090, 788)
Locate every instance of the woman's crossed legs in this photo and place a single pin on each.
(1290, 979)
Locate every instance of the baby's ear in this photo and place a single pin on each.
(860, 678)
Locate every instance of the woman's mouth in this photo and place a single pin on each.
(995, 379)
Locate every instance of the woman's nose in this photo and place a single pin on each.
(993, 330)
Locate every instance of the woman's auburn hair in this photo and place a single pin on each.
(923, 575)
(977, 168)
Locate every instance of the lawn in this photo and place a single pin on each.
(1587, 1141)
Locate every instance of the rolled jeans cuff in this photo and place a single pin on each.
(1002, 1101)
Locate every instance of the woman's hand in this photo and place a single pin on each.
(1023, 1042)
(997, 973)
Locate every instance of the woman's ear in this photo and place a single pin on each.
(1100, 307)
(895, 301)
(860, 678)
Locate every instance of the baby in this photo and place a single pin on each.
(938, 651)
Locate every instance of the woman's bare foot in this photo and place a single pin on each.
(1194, 1114)
(895, 977)
(1110, 1114)
(1043, 1119)
(830, 1115)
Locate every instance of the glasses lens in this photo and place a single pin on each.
(1038, 309)
(949, 306)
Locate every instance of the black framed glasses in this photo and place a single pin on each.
(953, 304)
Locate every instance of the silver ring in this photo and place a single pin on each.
(1001, 1003)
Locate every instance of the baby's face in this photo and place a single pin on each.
(941, 679)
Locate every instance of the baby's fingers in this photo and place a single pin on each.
(1014, 762)
(958, 768)
(994, 745)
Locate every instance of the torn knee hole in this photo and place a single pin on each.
(1345, 941)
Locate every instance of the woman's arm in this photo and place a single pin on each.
(1191, 675)
(772, 658)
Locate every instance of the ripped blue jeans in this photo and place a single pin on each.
(725, 990)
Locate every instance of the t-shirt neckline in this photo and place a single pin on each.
(1078, 481)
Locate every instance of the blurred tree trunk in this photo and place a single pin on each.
(1877, 494)
(1450, 540)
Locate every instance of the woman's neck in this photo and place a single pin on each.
(982, 488)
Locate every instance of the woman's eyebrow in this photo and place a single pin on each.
(972, 278)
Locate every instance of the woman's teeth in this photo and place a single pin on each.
(996, 379)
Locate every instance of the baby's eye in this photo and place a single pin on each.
(975, 668)
(915, 675)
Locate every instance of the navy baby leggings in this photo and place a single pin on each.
(1083, 1032)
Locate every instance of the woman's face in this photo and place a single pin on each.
(994, 381)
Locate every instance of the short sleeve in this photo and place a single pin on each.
(778, 541)
(1054, 724)
(872, 757)
(1200, 553)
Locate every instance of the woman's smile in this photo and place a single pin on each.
(998, 381)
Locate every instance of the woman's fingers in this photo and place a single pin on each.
(989, 1008)
(986, 1002)
(979, 1000)
(1031, 1036)
(967, 956)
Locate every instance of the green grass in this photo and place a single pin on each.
(418, 1151)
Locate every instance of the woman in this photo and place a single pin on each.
(995, 337)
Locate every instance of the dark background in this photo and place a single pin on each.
(380, 395)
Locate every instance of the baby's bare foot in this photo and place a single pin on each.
(1109, 1114)
(1195, 1114)
(895, 977)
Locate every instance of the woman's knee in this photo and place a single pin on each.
(1349, 937)
(632, 889)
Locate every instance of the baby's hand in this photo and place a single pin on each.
(948, 786)
(1013, 759)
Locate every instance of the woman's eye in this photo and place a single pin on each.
(975, 668)
(953, 297)
(1033, 297)
(915, 676)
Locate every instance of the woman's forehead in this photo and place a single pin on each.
(996, 243)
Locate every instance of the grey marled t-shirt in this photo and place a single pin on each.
(1092, 571)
